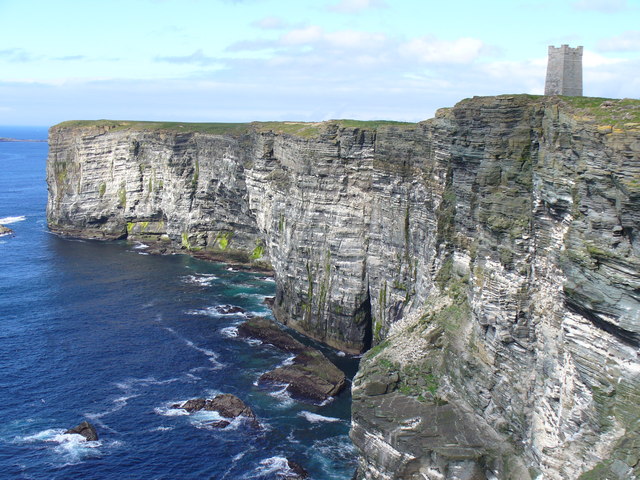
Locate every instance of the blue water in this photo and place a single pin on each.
(102, 332)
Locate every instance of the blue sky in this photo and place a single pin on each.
(310, 60)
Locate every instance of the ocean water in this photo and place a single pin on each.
(105, 333)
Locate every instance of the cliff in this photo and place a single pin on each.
(490, 256)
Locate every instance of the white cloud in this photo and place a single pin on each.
(346, 39)
(433, 50)
(301, 36)
(354, 6)
(270, 23)
(593, 60)
(627, 42)
(355, 39)
(604, 6)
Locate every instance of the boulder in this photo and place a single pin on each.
(5, 231)
(85, 429)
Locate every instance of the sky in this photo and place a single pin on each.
(302, 60)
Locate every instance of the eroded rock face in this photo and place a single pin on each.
(491, 255)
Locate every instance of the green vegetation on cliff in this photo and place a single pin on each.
(300, 129)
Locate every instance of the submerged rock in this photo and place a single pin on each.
(85, 429)
(311, 375)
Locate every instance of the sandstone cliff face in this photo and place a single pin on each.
(491, 255)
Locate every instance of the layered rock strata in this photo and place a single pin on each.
(490, 255)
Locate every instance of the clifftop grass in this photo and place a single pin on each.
(623, 113)
(301, 129)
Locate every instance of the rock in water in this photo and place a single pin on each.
(227, 405)
(297, 470)
(193, 405)
(5, 231)
(311, 376)
(85, 429)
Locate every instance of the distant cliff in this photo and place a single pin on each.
(490, 256)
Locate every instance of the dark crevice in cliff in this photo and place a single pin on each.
(367, 340)
(625, 336)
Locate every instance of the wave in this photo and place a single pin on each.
(222, 310)
(271, 467)
(10, 220)
(213, 356)
(161, 428)
(229, 332)
(315, 418)
(334, 450)
(283, 397)
(201, 279)
(140, 246)
(168, 409)
(71, 448)
(130, 389)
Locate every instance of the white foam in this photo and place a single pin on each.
(167, 410)
(140, 246)
(276, 465)
(287, 362)
(258, 296)
(217, 311)
(72, 447)
(10, 220)
(161, 429)
(229, 332)
(283, 396)
(315, 418)
(326, 402)
(341, 353)
(202, 279)
(213, 356)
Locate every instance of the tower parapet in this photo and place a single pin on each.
(564, 71)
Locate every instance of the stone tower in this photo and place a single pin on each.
(564, 71)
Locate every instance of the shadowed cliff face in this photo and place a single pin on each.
(490, 255)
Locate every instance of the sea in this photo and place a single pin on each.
(104, 332)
